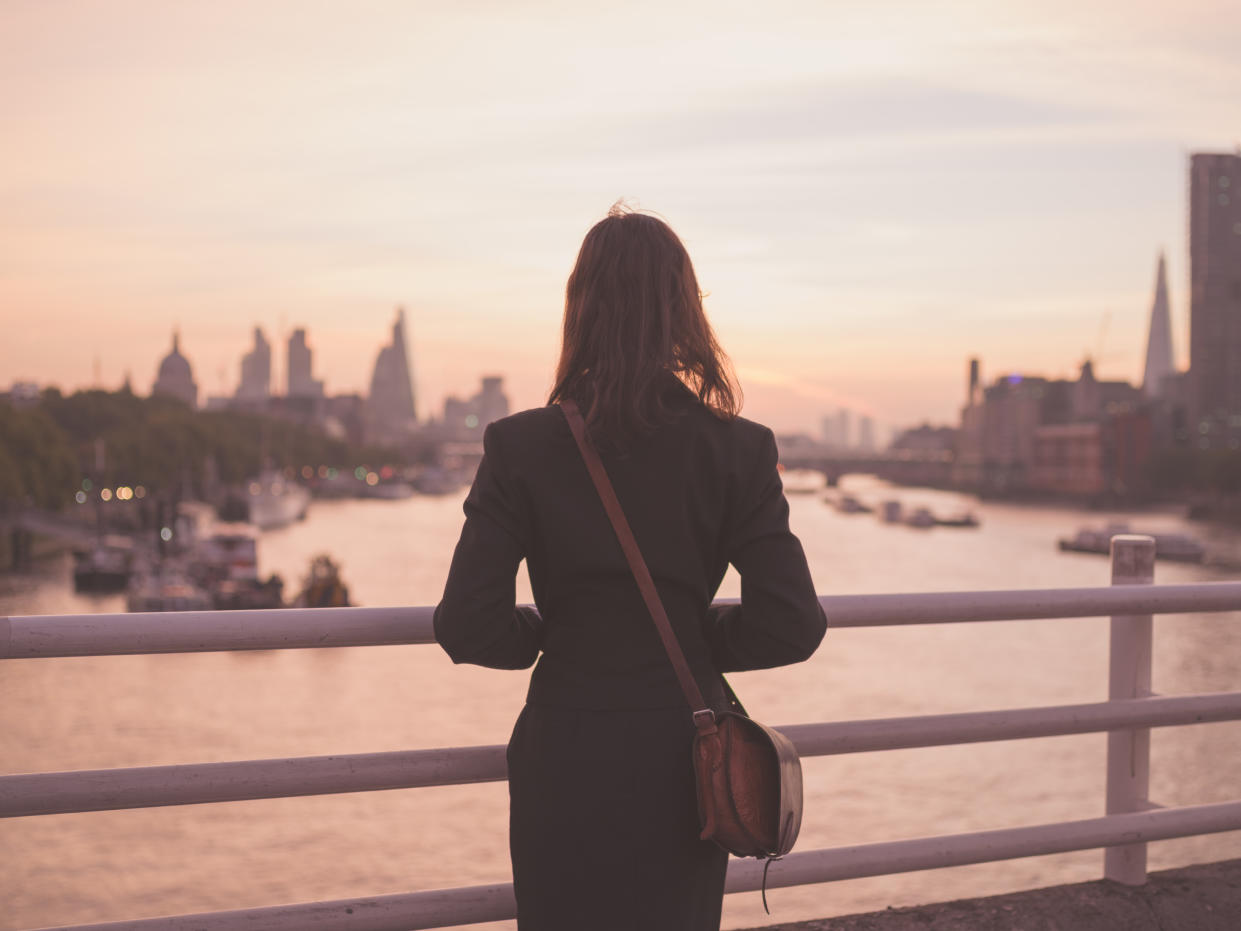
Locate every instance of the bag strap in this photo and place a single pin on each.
(704, 717)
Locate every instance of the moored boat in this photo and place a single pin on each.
(851, 505)
(166, 587)
(105, 567)
(1175, 547)
(921, 518)
(323, 586)
(275, 501)
(967, 519)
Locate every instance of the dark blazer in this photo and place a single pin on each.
(603, 824)
(700, 493)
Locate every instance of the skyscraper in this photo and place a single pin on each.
(302, 383)
(1215, 295)
(1159, 339)
(256, 370)
(390, 407)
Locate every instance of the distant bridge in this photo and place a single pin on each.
(47, 524)
(905, 467)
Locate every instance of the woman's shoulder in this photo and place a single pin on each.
(737, 431)
(529, 429)
(534, 420)
(542, 427)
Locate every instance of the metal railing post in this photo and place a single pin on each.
(1129, 676)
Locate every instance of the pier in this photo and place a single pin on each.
(1128, 822)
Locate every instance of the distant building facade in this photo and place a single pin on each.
(866, 434)
(22, 394)
(391, 415)
(466, 420)
(1215, 298)
(925, 439)
(1028, 434)
(255, 386)
(175, 378)
(835, 430)
(301, 380)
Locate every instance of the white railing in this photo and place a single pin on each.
(1130, 822)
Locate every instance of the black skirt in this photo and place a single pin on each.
(603, 825)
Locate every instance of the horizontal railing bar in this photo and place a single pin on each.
(211, 631)
(935, 730)
(35, 636)
(196, 783)
(1029, 604)
(242, 780)
(882, 859)
(474, 904)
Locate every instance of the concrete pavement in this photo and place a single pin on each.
(1206, 897)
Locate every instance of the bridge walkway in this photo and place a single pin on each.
(1206, 897)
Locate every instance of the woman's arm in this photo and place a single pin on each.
(476, 620)
(779, 620)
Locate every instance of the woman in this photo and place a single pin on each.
(603, 820)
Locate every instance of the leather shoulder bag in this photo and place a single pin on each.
(748, 776)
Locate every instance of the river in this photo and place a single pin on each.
(101, 712)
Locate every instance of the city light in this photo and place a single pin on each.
(80, 497)
(372, 478)
(105, 494)
(140, 492)
(165, 533)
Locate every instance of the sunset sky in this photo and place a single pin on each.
(872, 192)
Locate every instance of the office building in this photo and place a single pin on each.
(1215, 297)
(1158, 370)
(301, 381)
(255, 386)
(391, 415)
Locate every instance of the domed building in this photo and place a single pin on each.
(175, 378)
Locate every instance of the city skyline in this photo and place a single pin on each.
(871, 193)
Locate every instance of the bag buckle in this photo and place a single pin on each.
(704, 718)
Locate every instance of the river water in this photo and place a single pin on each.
(102, 712)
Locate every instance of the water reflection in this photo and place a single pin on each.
(131, 711)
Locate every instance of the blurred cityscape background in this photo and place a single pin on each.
(267, 271)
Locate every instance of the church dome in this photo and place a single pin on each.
(175, 377)
(176, 366)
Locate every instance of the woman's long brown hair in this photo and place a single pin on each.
(633, 322)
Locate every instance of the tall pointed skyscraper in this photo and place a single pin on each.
(1159, 340)
(391, 412)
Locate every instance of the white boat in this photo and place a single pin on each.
(389, 491)
(802, 482)
(965, 519)
(275, 501)
(1177, 547)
